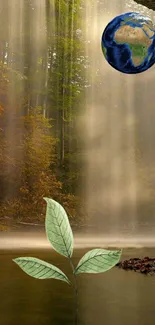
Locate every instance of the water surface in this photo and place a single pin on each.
(115, 297)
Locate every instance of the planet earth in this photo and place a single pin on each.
(128, 43)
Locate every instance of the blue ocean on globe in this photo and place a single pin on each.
(128, 43)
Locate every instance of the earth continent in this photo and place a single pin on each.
(128, 43)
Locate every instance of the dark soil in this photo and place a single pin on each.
(144, 266)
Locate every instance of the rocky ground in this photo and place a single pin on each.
(145, 265)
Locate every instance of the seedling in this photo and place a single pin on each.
(59, 234)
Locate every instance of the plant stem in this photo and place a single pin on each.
(75, 292)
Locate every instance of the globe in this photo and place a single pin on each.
(128, 43)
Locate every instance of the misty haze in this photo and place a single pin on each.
(77, 131)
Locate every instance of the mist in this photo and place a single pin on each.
(118, 126)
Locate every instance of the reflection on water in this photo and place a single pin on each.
(115, 297)
(81, 240)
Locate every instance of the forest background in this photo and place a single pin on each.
(43, 84)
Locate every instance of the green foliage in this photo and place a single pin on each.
(40, 93)
(40, 269)
(58, 229)
(66, 86)
(38, 160)
(98, 261)
(32, 174)
(60, 235)
(39, 150)
(34, 171)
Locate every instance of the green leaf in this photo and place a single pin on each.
(58, 228)
(40, 269)
(98, 261)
